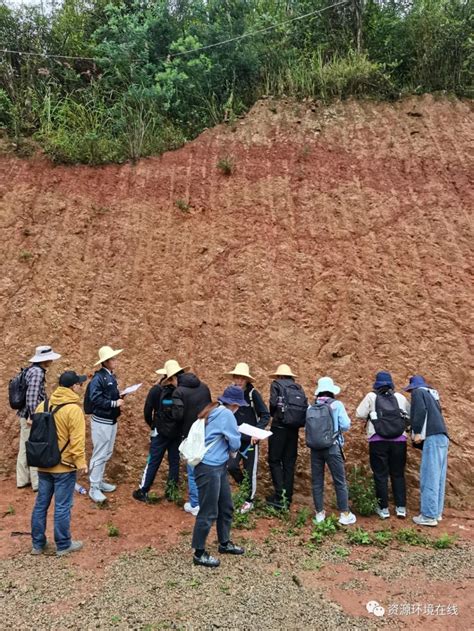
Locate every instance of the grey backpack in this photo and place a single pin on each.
(319, 426)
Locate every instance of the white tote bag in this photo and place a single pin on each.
(193, 448)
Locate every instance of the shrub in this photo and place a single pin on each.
(412, 537)
(362, 491)
(226, 165)
(112, 530)
(323, 529)
(445, 541)
(359, 537)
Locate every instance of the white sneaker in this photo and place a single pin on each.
(321, 516)
(401, 512)
(346, 519)
(96, 495)
(105, 487)
(440, 518)
(383, 513)
(421, 520)
(246, 507)
(194, 510)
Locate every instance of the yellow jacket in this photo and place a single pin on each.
(70, 425)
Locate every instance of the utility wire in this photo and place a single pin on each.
(187, 52)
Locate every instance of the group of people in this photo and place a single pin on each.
(179, 398)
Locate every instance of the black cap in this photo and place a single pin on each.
(70, 378)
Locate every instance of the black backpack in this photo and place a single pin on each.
(166, 418)
(390, 421)
(295, 405)
(42, 446)
(319, 427)
(17, 388)
(87, 403)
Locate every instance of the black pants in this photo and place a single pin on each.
(389, 459)
(250, 462)
(159, 445)
(215, 504)
(282, 454)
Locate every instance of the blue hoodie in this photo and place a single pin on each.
(221, 425)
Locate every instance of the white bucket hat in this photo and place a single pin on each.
(171, 368)
(107, 352)
(283, 370)
(44, 354)
(326, 384)
(241, 370)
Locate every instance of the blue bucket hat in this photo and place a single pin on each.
(233, 395)
(383, 378)
(417, 381)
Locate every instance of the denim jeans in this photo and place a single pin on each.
(434, 463)
(158, 446)
(61, 485)
(334, 460)
(192, 487)
(215, 504)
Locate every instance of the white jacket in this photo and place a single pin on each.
(367, 405)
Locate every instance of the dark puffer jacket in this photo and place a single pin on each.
(190, 398)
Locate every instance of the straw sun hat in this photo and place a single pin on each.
(283, 370)
(106, 353)
(241, 370)
(171, 368)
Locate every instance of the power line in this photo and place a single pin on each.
(194, 50)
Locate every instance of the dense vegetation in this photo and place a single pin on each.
(134, 92)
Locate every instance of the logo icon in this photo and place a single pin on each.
(374, 607)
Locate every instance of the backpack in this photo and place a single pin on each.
(295, 405)
(17, 388)
(87, 404)
(193, 448)
(42, 446)
(319, 427)
(390, 420)
(165, 418)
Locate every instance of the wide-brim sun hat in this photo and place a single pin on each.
(172, 368)
(383, 378)
(283, 370)
(326, 384)
(233, 395)
(106, 353)
(417, 381)
(241, 370)
(44, 354)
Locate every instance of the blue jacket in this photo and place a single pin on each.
(341, 420)
(221, 425)
(104, 394)
(425, 406)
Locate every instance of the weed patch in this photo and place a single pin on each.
(112, 530)
(226, 165)
(324, 529)
(362, 491)
(359, 537)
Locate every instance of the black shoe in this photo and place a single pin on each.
(230, 548)
(273, 502)
(206, 559)
(140, 496)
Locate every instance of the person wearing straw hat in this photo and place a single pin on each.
(166, 430)
(255, 413)
(190, 397)
(222, 437)
(288, 405)
(35, 377)
(325, 402)
(105, 400)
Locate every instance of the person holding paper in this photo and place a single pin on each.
(105, 401)
(255, 414)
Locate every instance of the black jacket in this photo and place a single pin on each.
(255, 414)
(104, 394)
(425, 406)
(190, 398)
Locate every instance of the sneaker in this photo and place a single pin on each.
(74, 547)
(105, 487)
(422, 520)
(383, 513)
(346, 519)
(139, 495)
(246, 507)
(206, 560)
(96, 495)
(230, 548)
(401, 512)
(37, 551)
(321, 516)
(194, 510)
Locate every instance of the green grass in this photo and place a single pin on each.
(302, 517)
(382, 537)
(112, 530)
(226, 165)
(324, 529)
(182, 205)
(342, 552)
(359, 537)
(445, 541)
(412, 537)
(10, 510)
(153, 498)
(174, 493)
(362, 491)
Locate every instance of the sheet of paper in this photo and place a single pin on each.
(254, 432)
(130, 389)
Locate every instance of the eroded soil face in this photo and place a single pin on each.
(341, 244)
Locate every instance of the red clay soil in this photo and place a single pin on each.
(341, 244)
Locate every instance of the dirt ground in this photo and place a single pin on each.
(143, 578)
